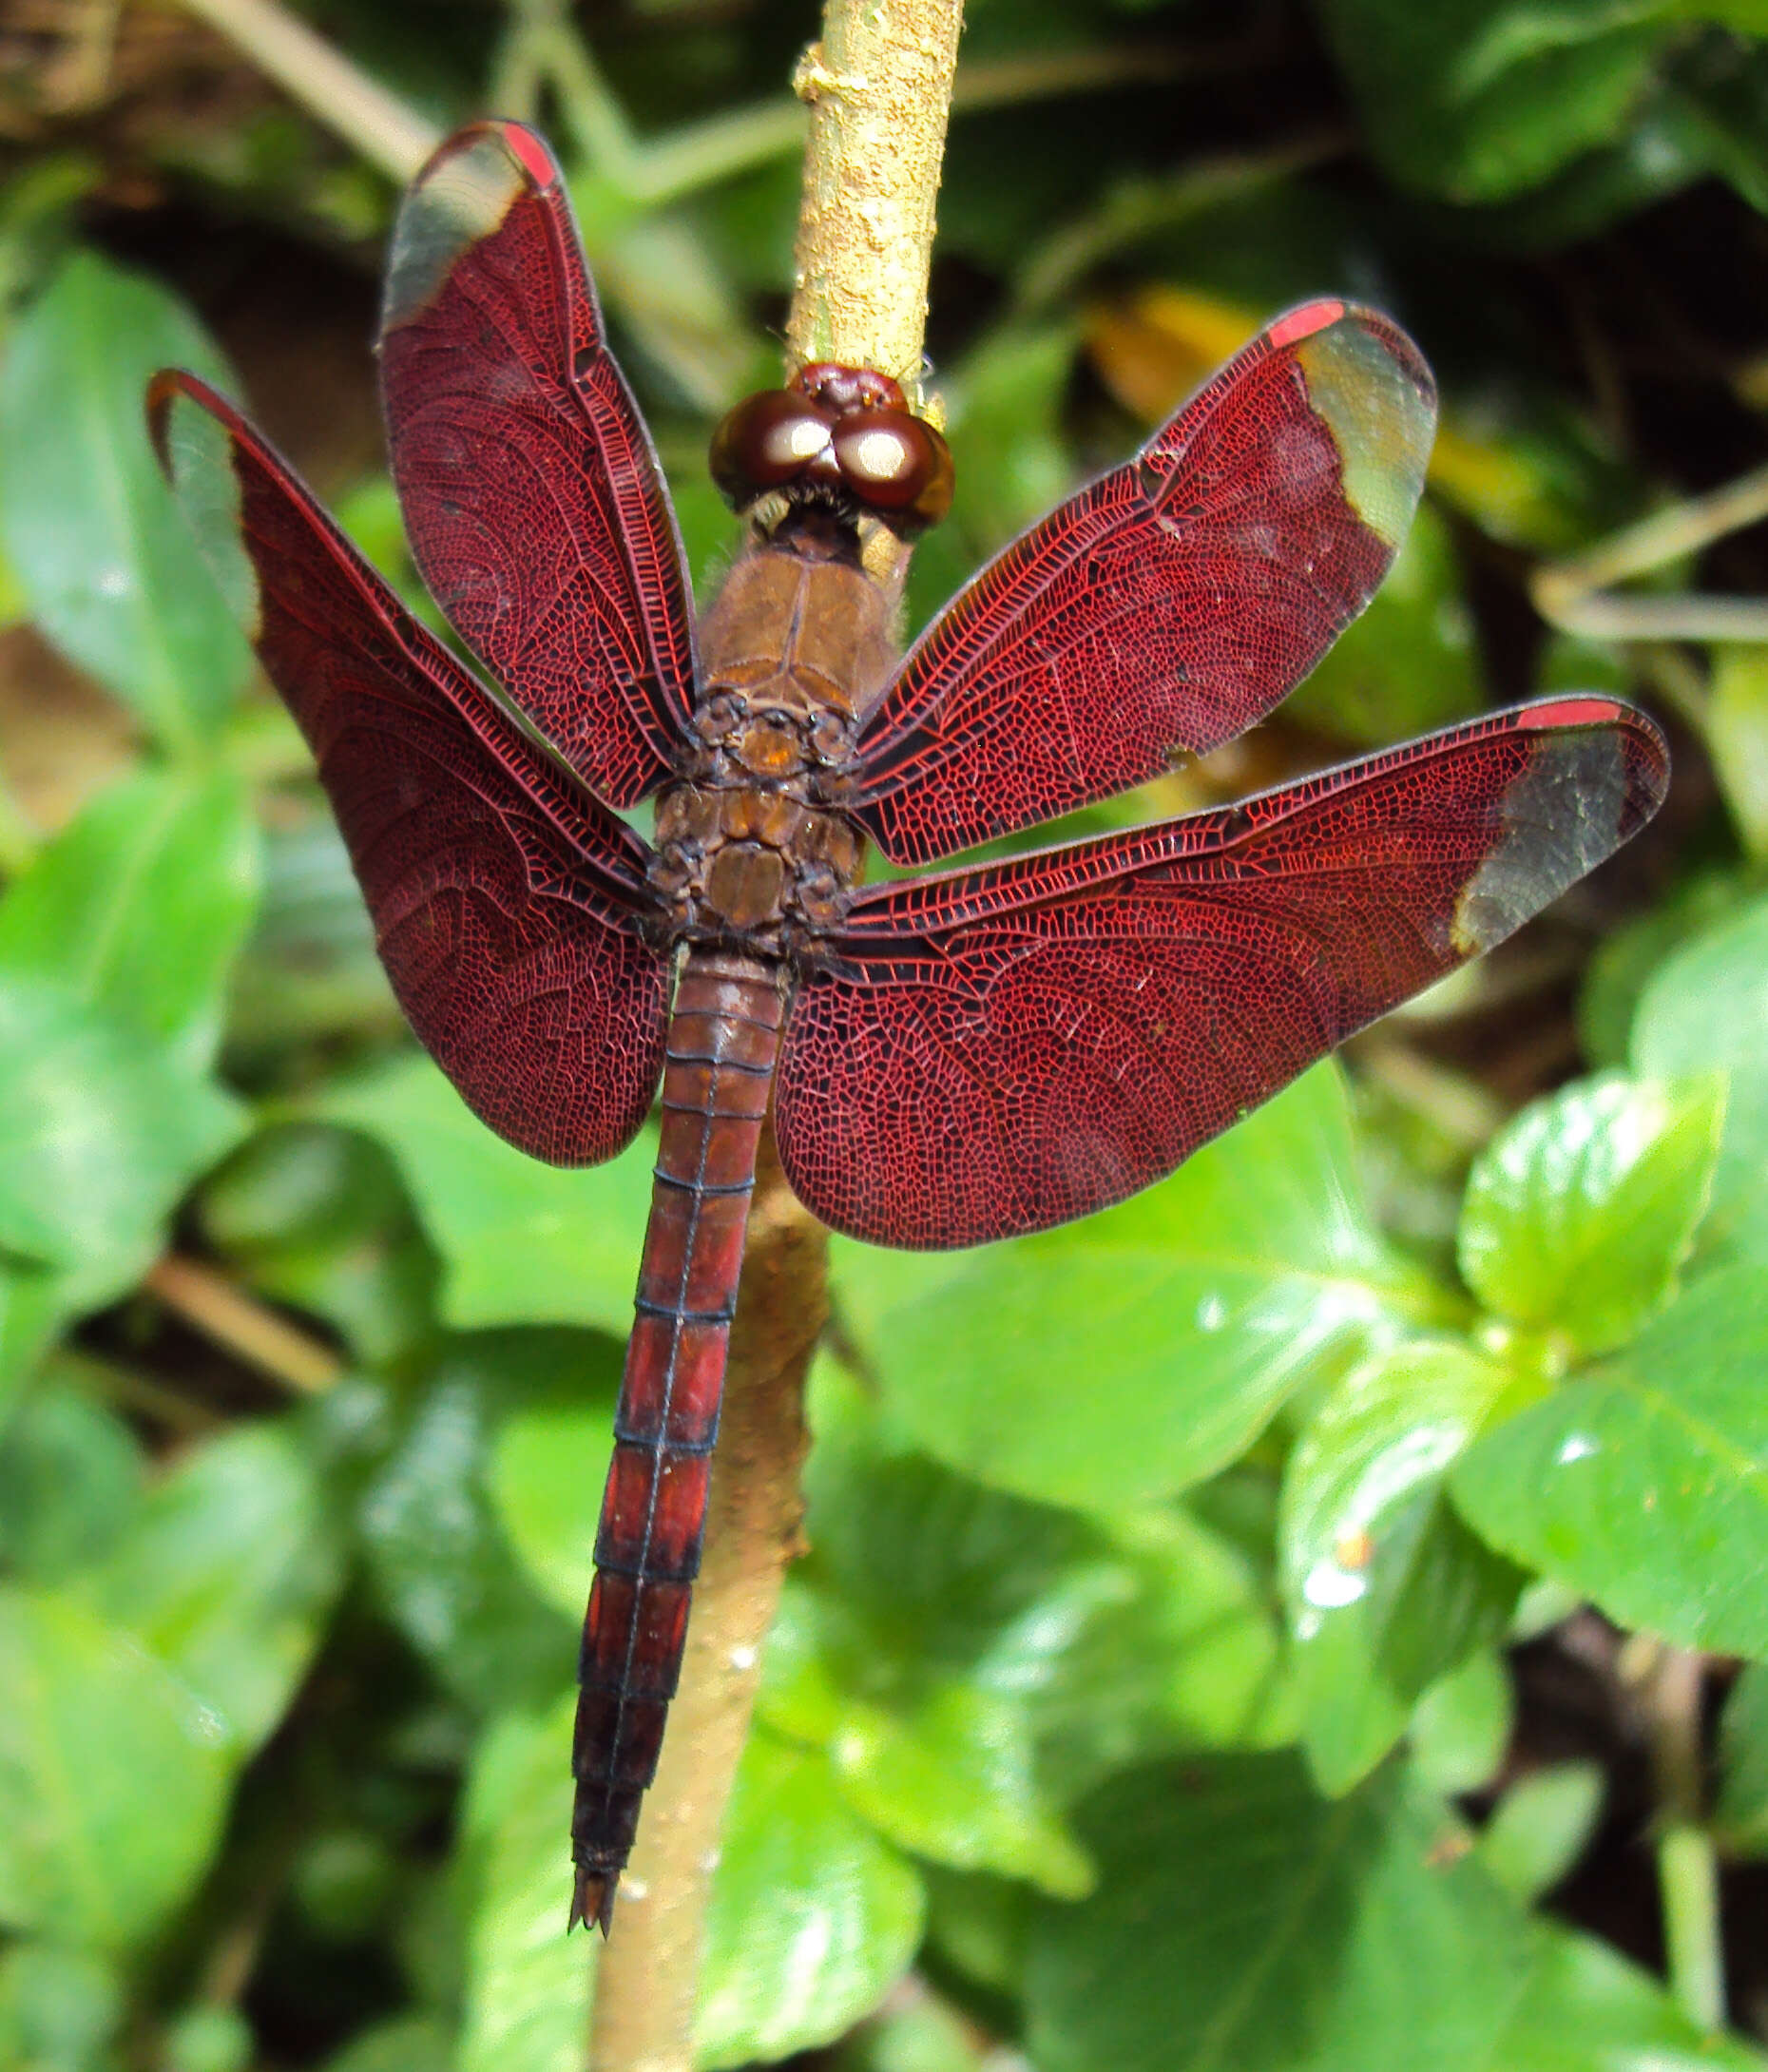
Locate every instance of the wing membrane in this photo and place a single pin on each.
(1167, 607)
(508, 903)
(997, 1051)
(534, 502)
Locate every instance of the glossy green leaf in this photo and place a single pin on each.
(1705, 1009)
(70, 1475)
(1644, 1484)
(520, 1242)
(112, 1778)
(139, 907)
(526, 1989)
(60, 2010)
(227, 1573)
(445, 1563)
(1475, 101)
(1242, 1924)
(1386, 1588)
(813, 1919)
(1740, 1815)
(966, 1660)
(1134, 1352)
(1540, 1827)
(99, 1137)
(1580, 1213)
(114, 577)
(953, 1776)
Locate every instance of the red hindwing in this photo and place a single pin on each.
(508, 903)
(535, 506)
(1166, 607)
(995, 1050)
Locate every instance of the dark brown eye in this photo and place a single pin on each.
(895, 464)
(769, 440)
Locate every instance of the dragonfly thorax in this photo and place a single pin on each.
(794, 651)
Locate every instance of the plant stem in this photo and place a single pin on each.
(1671, 1688)
(344, 98)
(880, 86)
(211, 1304)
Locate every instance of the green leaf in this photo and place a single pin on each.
(1705, 1009)
(70, 1475)
(139, 907)
(1461, 1726)
(33, 1304)
(410, 2042)
(446, 1572)
(1242, 1924)
(1540, 1827)
(100, 1135)
(317, 1218)
(548, 1467)
(227, 1573)
(1580, 1213)
(966, 1660)
(1741, 1816)
(1386, 1588)
(953, 1776)
(114, 577)
(1644, 1485)
(813, 1919)
(208, 2039)
(60, 2010)
(520, 1242)
(526, 1994)
(1736, 737)
(1138, 1351)
(112, 1778)
(1476, 101)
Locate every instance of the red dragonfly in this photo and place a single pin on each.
(952, 1058)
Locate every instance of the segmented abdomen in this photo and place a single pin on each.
(723, 1035)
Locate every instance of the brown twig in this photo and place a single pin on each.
(211, 1304)
(879, 84)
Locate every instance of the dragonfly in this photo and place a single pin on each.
(951, 1058)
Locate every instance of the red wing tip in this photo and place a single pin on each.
(1585, 711)
(522, 144)
(592, 1901)
(1305, 321)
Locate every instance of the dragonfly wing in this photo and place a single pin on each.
(997, 1051)
(536, 509)
(509, 904)
(1170, 605)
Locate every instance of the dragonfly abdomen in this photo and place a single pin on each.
(723, 1035)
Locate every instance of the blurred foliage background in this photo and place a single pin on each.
(1313, 1614)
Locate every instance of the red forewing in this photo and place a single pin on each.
(997, 1051)
(1170, 605)
(533, 499)
(507, 902)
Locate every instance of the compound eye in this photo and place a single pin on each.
(767, 441)
(895, 464)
